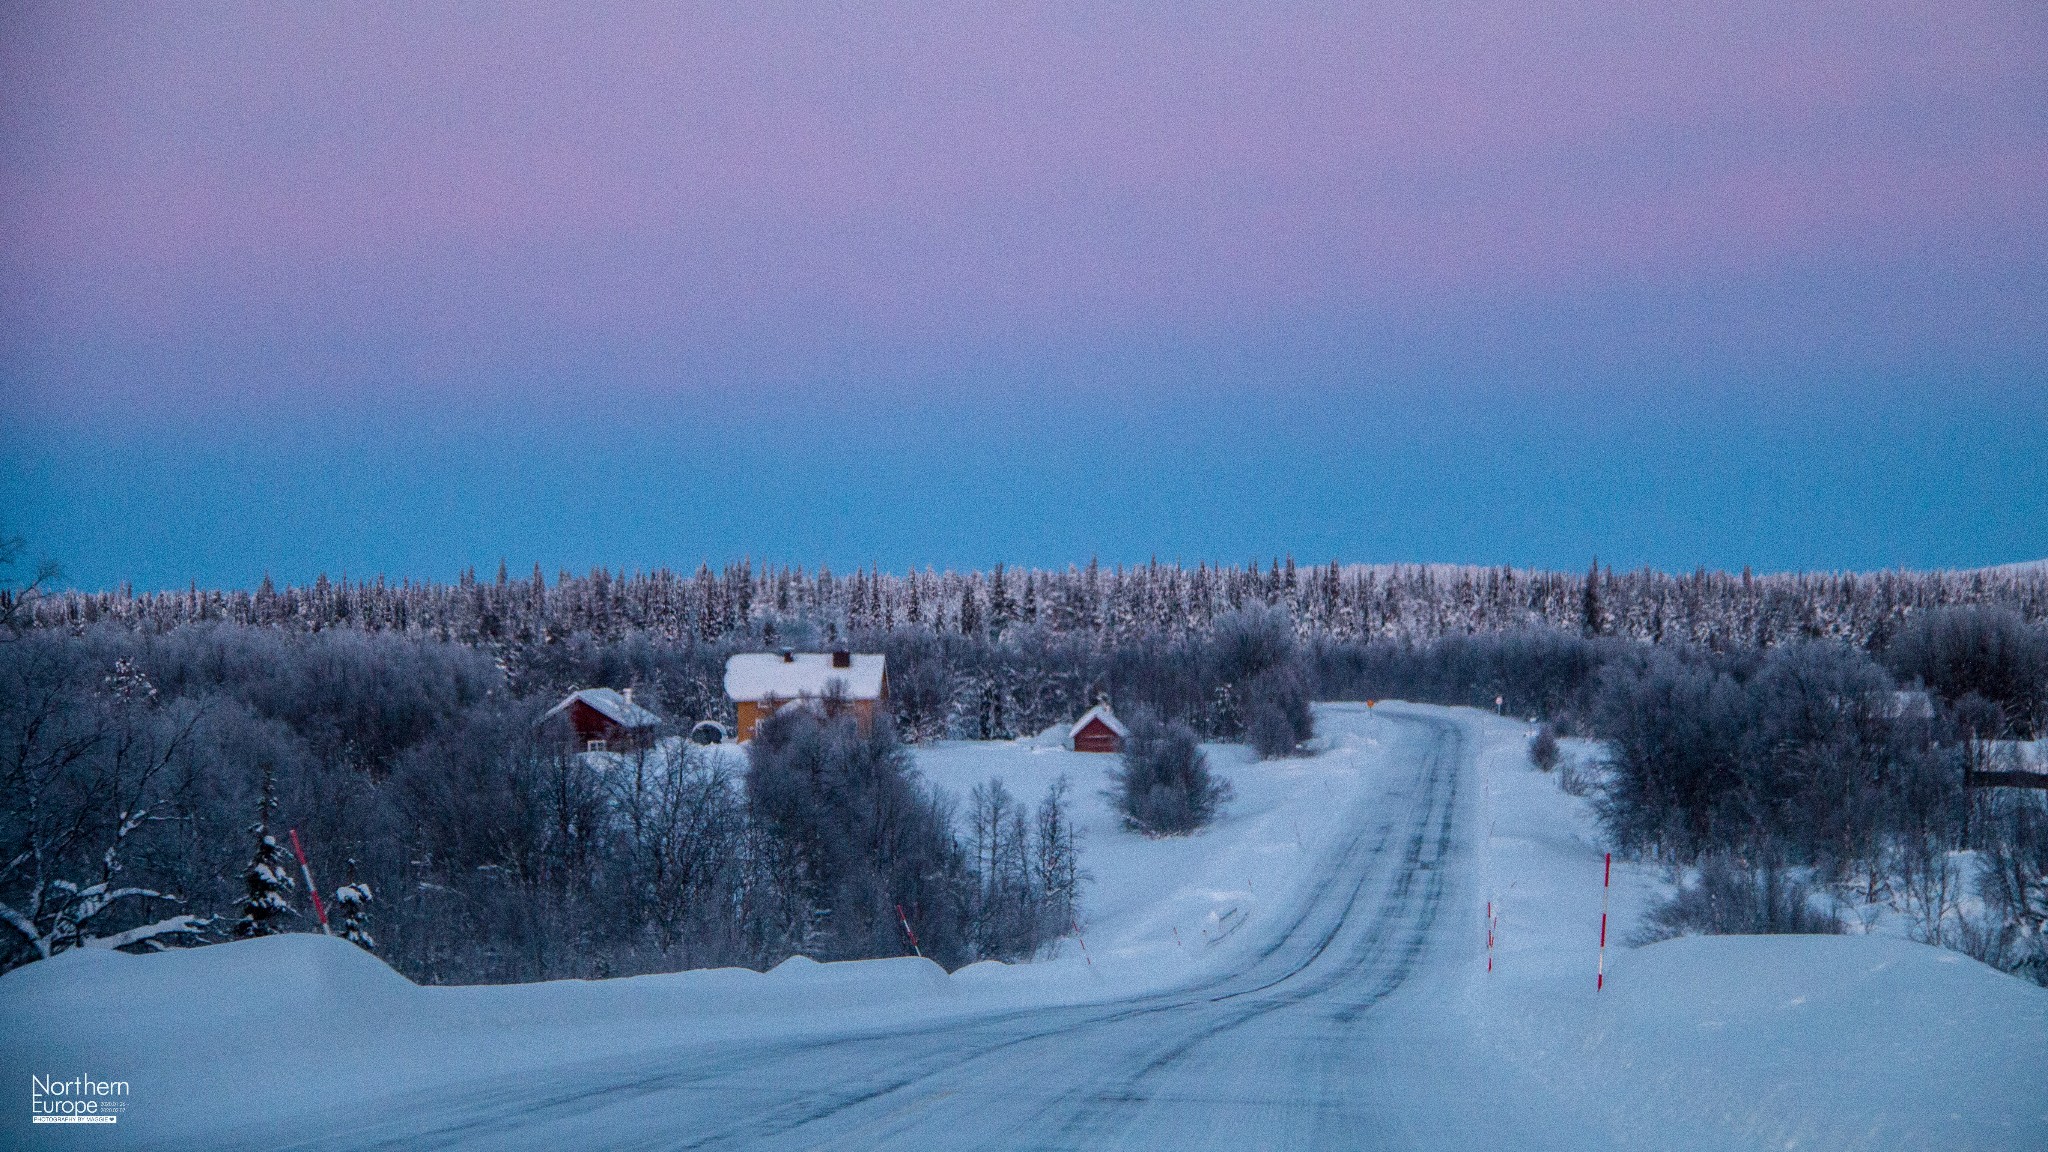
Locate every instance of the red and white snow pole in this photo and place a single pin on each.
(1606, 880)
(905, 921)
(306, 870)
(1489, 935)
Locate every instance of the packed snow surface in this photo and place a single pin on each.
(1311, 971)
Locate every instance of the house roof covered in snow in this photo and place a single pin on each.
(609, 704)
(758, 676)
(2016, 755)
(1911, 704)
(1099, 712)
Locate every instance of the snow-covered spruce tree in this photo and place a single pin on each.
(352, 909)
(1591, 615)
(1163, 786)
(269, 876)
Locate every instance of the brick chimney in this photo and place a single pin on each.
(841, 658)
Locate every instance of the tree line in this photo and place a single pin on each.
(156, 788)
(1755, 728)
(1416, 604)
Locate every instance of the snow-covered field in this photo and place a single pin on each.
(1843, 1042)
(1156, 912)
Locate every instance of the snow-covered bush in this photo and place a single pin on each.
(1731, 897)
(856, 836)
(1982, 651)
(1543, 751)
(2014, 884)
(1280, 718)
(1163, 786)
(1802, 752)
(1251, 641)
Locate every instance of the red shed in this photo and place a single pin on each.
(601, 720)
(1098, 730)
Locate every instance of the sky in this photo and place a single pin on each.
(403, 289)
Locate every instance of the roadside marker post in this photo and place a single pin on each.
(1606, 881)
(905, 921)
(1489, 935)
(306, 870)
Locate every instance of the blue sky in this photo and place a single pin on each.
(409, 289)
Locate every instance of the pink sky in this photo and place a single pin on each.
(387, 287)
(1026, 171)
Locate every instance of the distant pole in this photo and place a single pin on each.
(1606, 879)
(306, 870)
(1489, 935)
(905, 921)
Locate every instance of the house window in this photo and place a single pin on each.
(593, 745)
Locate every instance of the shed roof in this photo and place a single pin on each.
(1911, 704)
(611, 705)
(2017, 755)
(1099, 712)
(758, 676)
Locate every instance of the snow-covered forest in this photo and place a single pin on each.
(1753, 722)
(1405, 603)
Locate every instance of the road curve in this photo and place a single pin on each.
(1336, 1036)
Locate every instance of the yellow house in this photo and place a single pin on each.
(761, 683)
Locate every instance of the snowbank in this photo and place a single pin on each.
(1820, 1042)
(1753, 1042)
(233, 1033)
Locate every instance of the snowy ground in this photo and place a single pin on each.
(1156, 912)
(1784, 1042)
(1308, 972)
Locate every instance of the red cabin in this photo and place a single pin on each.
(1098, 730)
(601, 720)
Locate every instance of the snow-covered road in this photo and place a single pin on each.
(1335, 1036)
